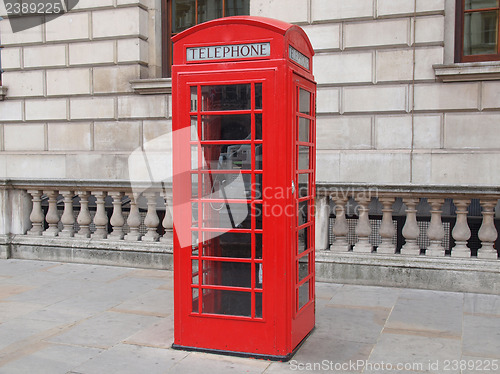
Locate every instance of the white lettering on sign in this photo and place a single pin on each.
(225, 52)
(298, 57)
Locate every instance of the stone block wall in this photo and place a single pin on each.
(384, 116)
(70, 110)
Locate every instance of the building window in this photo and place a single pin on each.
(179, 15)
(477, 30)
(1, 46)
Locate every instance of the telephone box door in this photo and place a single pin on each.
(303, 232)
(228, 291)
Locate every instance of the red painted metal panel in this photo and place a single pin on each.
(238, 134)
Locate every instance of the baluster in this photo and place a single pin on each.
(435, 231)
(488, 232)
(67, 218)
(411, 229)
(461, 232)
(100, 218)
(151, 221)
(168, 222)
(36, 216)
(52, 217)
(363, 228)
(340, 228)
(84, 219)
(117, 221)
(387, 229)
(134, 220)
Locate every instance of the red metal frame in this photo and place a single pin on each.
(273, 325)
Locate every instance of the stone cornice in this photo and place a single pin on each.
(152, 86)
(3, 92)
(470, 71)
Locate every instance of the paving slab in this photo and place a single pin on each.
(351, 324)
(412, 353)
(197, 362)
(132, 359)
(481, 336)
(159, 335)
(50, 359)
(88, 319)
(104, 330)
(482, 304)
(368, 296)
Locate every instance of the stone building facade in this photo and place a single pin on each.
(402, 130)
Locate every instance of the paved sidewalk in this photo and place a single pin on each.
(69, 318)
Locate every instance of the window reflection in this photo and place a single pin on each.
(183, 15)
(481, 33)
(226, 97)
(226, 127)
(304, 101)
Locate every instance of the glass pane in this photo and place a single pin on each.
(237, 8)
(194, 243)
(183, 15)
(232, 303)
(303, 239)
(304, 185)
(227, 186)
(228, 156)
(230, 127)
(195, 299)
(229, 274)
(258, 246)
(209, 10)
(303, 158)
(480, 4)
(258, 305)
(304, 101)
(303, 294)
(195, 272)
(194, 128)
(194, 157)
(258, 276)
(194, 99)
(258, 213)
(258, 95)
(304, 130)
(258, 126)
(481, 33)
(258, 157)
(226, 215)
(194, 214)
(227, 97)
(303, 267)
(194, 185)
(258, 186)
(226, 244)
(303, 211)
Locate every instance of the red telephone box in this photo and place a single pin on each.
(243, 187)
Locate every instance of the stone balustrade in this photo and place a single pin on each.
(95, 221)
(407, 222)
(442, 238)
(114, 215)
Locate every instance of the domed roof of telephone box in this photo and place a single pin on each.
(244, 29)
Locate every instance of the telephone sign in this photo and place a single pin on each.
(226, 52)
(243, 187)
